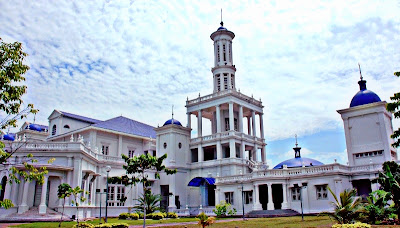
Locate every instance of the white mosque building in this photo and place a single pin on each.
(210, 168)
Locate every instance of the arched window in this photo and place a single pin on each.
(54, 130)
(3, 187)
(66, 126)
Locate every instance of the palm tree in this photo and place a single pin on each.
(149, 201)
(347, 208)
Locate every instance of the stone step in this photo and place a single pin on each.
(272, 213)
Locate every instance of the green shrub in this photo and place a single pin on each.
(149, 216)
(157, 216)
(83, 225)
(120, 225)
(140, 214)
(123, 216)
(134, 216)
(164, 214)
(355, 225)
(172, 215)
(224, 208)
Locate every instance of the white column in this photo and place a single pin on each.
(261, 125)
(172, 204)
(240, 119)
(199, 124)
(69, 181)
(60, 200)
(242, 149)
(256, 203)
(248, 126)
(200, 153)
(232, 148)
(253, 122)
(15, 193)
(270, 205)
(284, 203)
(119, 153)
(229, 80)
(42, 206)
(231, 121)
(218, 117)
(7, 191)
(219, 150)
(217, 196)
(24, 206)
(189, 120)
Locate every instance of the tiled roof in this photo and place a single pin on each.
(126, 125)
(81, 118)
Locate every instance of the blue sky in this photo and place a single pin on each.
(138, 58)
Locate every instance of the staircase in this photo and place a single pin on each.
(32, 215)
(272, 213)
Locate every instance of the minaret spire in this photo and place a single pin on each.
(172, 111)
(297, 149)
(296, 140)
(362, 82)
(359, 67)
(222, 23)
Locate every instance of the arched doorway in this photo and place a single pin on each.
(3, 187)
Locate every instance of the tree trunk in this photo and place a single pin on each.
(144, 205)
(62, 214)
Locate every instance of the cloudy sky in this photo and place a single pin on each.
(138, 58)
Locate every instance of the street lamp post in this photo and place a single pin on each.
(108, 169)
(242, 202)
(98, 191)
(301, 200)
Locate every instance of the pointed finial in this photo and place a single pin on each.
(359, 67)
(222, 23)
(296, 140)
(172, 111)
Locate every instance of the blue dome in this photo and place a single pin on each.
(9, 137)
(221, 28)
(34, 127)
(364, 97)
(172, 121)
(298, 162)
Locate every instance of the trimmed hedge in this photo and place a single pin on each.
(172, 215)
(83, 225)
(355, 225)
(155, 216)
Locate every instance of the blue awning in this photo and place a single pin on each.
(198, 181)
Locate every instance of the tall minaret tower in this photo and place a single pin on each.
(223, 70)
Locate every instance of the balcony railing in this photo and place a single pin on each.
(302, 171)
(223, 93)
(224, 135)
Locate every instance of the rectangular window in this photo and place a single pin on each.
(226, 81)
(248, 197)
(218, 82)
(295, 194)
(229, 197)
(218, 53)
(104, 150)
(235, 123)
(224, 52)
(154, 153)
(322, 192)
(115, 194)
(130, 153)
(226, 124)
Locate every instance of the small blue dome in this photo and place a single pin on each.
(298, 162)
(34, 127)
(9, 137)
(172, 121)
(364, 97)
(221, 28)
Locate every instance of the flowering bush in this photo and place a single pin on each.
(355, 225)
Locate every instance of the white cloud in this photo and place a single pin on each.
(103, 59)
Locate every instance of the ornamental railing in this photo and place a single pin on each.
(223, 93)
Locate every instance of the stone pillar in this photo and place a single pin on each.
(231, 118)
(200, 153)
(43, 206)
(8, 190)
(218, 117)
(242, 149)
(261, 125)
(256, 203)
(119, 153)
(232, 148)
(24, 205)
(172, 204)
(69, 181)
(248, 126)
(219, 150)
(240, 119)
(253, 122)
(285, 202)
(189, 120)
(270, 205)
(199, 124)
(217, 196)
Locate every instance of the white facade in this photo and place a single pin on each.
(83, 147)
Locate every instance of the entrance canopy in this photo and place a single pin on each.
(198, 181)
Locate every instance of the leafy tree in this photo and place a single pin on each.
(347, 208)
(149, 201)
(389, 180)
(138, 167)
(12, 70)
(64, 191)
(395, 108)
(204, 220)
(224, 208)
(76, 193)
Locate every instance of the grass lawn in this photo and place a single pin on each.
(309, 221)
